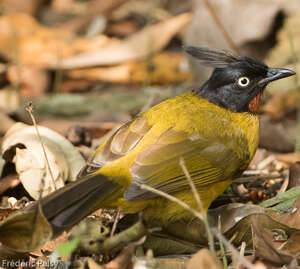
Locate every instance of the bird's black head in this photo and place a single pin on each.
(237, 82)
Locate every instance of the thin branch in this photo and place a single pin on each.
(200, 204)
(29, 109)
(233, 250)
(197, 214)
(173, 199)
(115, 223)
(223, 252)
(217, 20)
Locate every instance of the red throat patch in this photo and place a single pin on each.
(254, 104)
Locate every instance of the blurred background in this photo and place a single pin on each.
(88, 66)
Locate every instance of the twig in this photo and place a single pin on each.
(197, 214)
(233, 250)
(224, 258)
(242, 250)
(200, 204)
(113, 229)
(173, 199)
(217, 20)
(29, 109)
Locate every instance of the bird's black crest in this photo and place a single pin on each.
(212, 58)
(221, 59)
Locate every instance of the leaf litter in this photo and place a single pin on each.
(258, 215)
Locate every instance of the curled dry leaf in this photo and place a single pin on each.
(22, 146)
(52, 46)
(25, 231)
(139, 45)
(275, 242)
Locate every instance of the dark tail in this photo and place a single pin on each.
(67, 206)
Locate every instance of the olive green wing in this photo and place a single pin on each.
(208, 160)
(117, 146)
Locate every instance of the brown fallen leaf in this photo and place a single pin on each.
(9, 102)
(32, 81)
(97, 129)
(291, 218)
(294, 179)
(280, 104)
(277, 136)
(20, 6)
(22, 146)
(6, 212)
(32, 39)
(24, 232)
(8, 182)
(6, 123)
(204, 259)
(53, 244)
(123, 260)
(277, 245)
(139, 45)
(62, 5)
(122, 29)
(252, 34)
(55, 47)
(164, 68)
(288, 157)
(104, 8)
(282, 54)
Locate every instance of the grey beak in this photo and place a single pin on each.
(276, 73)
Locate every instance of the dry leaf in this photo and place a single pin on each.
(20, 6)
(6, 124)
(252, 34)
(172, 262)
(280, 104)
(56, 47)
(274, 242)
(124, 259)
(294, 179)
(97, 129)
(91, 264)
(22, 146)
(9, 101)
(289, 157)
(30, 39)
(282, 54)
(164, 68)
(8, 182)
(204, 259)
(62, 5)
(32, 81)
(277, 136)
(139, 45)
(25, 231)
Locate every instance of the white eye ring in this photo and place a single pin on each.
(243, 81)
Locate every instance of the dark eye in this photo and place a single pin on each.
(243, 81)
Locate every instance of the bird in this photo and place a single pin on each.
(214, 129)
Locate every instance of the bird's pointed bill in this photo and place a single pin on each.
(275, 74)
